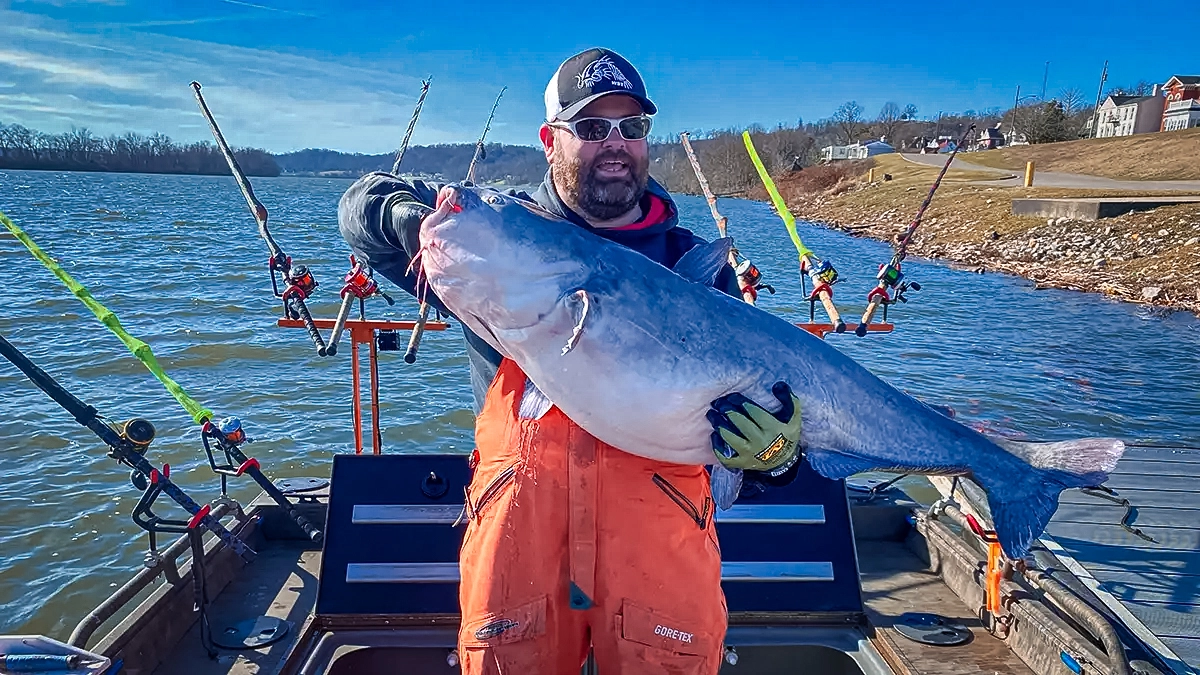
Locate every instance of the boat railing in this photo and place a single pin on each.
(1074, 607)
(162, 563)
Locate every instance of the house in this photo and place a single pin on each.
(868, 149)
(832, 153)
(989, 139)
(942, 144)
(860, 150)
(1182, 109)
(1129, 115)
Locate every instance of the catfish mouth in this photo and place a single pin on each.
(479, 271)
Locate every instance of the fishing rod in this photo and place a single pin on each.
(889, 275)
(412, 123)
(201, 415)
(127, 444)
(748, 275)
(414, 341)
(358, 282)
(821, 272)
(298, 281)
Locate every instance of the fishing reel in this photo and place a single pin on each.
(137, 434)
(227, 435)
(360, 282)
(300, 284)
(750, 278)
(824, 275)
(904, 287)
(890, 276)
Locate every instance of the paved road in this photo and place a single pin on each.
(1008, 178)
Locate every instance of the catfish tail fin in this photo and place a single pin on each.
(1020, 516)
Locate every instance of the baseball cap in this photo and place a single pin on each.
(587, 76)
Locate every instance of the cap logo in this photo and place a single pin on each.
(602, 69)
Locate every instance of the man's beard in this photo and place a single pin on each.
(599, 198)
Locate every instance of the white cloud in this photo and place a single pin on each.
(269, 9)
(60, 71)
(124, 80)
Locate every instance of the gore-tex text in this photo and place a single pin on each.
(673, 633)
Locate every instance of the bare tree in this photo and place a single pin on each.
(849, 121)
(1072, 100)
(890, 117)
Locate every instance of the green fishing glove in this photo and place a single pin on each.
(747, 437)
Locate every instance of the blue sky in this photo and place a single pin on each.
(285, 75)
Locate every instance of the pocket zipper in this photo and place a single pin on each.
(489, 492)
(700, 517)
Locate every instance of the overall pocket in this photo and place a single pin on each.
(699, 514)
(474, 508)
(661, 644)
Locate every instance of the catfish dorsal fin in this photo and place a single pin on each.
(704, 262)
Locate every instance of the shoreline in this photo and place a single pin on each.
(1150, 258)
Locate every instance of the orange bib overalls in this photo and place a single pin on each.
(571, 543)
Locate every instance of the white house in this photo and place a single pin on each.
(868, 149)
(1129, 115)
(831, 153)
(859, 150)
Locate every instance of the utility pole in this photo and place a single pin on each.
(1016, 101)
(1099, 90)
(1045, 76)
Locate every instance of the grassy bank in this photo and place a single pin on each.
(1151, 257)
(1158, 156)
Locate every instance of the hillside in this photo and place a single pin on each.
(510, 164)
(1152, 257)
(1170, 155)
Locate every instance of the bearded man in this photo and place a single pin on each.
(572, 544)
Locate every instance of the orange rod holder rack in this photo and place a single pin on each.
(823, 329)
(364, 331)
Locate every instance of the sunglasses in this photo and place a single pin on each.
(597, 129)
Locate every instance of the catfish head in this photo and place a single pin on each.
(498, 261)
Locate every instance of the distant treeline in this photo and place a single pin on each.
(721, 153)
(79, 150)
(509, 164)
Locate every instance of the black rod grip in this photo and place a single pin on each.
(274, 493)
(302, 310)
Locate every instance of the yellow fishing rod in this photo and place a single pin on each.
(821, 272)
(227, 435)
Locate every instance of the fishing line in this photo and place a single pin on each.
(139, 349)
(822, 273)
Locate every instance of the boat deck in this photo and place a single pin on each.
(894, 581)
(1154, 587)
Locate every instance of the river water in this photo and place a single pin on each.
(177, 258)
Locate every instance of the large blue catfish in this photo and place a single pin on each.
(634, 353)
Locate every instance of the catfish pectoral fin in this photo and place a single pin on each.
(580, 304)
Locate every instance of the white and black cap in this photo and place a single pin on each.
(587, 76)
